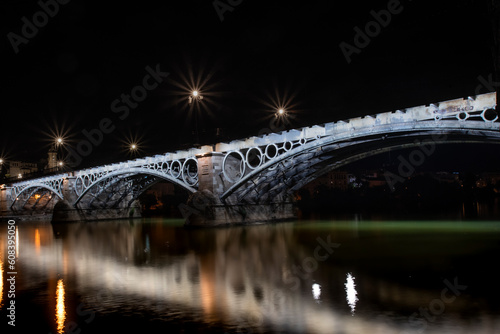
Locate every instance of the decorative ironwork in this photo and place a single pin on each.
(266, 167)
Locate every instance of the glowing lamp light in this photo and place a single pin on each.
(59, 140)
(281, 111)
(351, 293)
(195, 95)
(60, 307)
(316, 291)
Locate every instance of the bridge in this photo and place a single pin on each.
(252, 179)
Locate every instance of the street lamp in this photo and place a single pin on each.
(55, 152)
(195, 96)
(133, 149)
(280, 113)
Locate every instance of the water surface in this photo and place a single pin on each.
(152, 275)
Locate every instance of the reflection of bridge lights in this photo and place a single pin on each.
(351, 293)
(1, 282)
(60, 308)
(17, 241)
(316, 290)
(37, 241)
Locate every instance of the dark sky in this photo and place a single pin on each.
(65, 77)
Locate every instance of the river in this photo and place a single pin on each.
(307, 276)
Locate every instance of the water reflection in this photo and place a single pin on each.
(17, 242)
(316, 290)
(1, 282)
(240, 276)
(351, 293)
(60, 307)
(37, 241)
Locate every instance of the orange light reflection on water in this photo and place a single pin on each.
(60, 307)
(1, 283)
(37, 241)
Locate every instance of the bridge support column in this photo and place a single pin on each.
(64, 210)
(204, 207)
(4, 204)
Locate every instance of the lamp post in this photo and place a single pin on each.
(1, 170)
(54, 154)
(133, 149)
(195, 97)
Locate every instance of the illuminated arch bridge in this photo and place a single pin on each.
(252, 179)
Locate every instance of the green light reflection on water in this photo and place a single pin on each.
(404, 226)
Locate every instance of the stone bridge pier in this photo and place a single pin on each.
(206, 208)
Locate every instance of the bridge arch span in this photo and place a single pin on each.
(136, 180)
(291, 170)
(22, 196)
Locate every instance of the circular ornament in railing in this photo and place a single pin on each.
(489, 115)
(233, 166)
(254, 157)
(176, 169)
(190, 171)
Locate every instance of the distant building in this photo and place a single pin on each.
(161, 189)
(52, 159)
(374, 178)
(447, 177)
(488, 178)
(333, 180)
(19, 168)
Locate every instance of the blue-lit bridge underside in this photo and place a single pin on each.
(252, 179)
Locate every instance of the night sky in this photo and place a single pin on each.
(64, 79)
